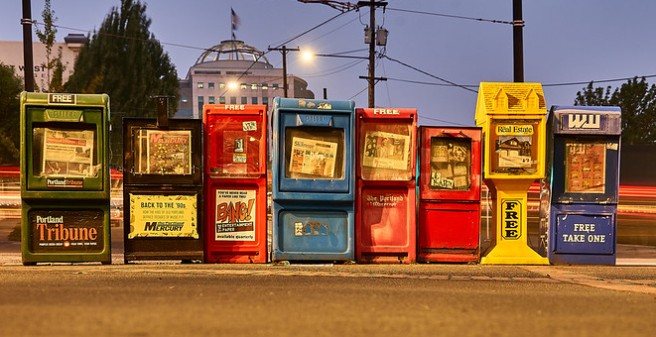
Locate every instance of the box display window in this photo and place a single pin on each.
(314, 153)
(235, 151)
(385, 151)
(585, 165)
(65, 152)
(450, 163)
(515, 146)
(163, 152)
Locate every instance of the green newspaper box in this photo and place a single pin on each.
(65, 180)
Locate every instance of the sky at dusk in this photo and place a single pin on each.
(431, 44)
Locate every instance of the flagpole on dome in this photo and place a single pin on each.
(234, 24)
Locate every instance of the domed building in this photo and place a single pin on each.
(233, 72)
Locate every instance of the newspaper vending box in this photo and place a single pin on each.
(584, 184)
(513, 118)
(235, 183)
(162, 188)
(385, 222)
(449, 194)
(65, 181)
(313, 180)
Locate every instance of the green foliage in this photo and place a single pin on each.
(124, 60)
(10, 89)
(636, 98)
(47, 37)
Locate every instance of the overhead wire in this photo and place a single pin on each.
(447, 82)
(451, 16)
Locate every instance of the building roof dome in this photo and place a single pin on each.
(232, 50)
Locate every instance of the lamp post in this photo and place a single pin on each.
(28, 61)
(371, 76)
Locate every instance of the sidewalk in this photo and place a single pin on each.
(627, 255)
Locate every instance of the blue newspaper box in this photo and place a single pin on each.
(584, 184)
(313, 180)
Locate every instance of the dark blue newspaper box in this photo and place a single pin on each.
(584, 184)
(313, 181)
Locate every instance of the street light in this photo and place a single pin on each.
(233, 85)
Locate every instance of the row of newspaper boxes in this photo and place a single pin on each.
(347, 184)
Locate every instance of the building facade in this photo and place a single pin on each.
(234, 73)
(11, 54)
(228, 73)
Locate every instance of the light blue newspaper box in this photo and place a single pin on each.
(313, 180)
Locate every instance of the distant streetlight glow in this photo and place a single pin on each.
(307, 55)
(232, 85)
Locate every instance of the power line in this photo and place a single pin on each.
(595, 81)
(428, 74)
(431, 83)
(451, 16)
(543, 84)
(440, 120)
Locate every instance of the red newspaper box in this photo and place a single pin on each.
(385, 225)
(449, 194)
(235, 183)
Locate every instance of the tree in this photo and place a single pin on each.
(54, 66)
(10, 89)
(636, 98)
(124, 60)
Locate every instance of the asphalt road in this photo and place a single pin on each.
(331, 300)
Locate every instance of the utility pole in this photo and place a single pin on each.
(284, 50)
(28, 61)
(518, 41)
(371, 76)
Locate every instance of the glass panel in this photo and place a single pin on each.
(210, 85)
(244, 100)
(233, 100)
(314, 153)
(450, 163)
(162, 152)
(201, 102)
(514, 146)
(385, 151)
(585, 167)
(65, 152)
(254, 100)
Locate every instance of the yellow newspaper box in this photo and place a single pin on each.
(513, 118)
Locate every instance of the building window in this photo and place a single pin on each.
(210, 85)
(243, 86)
(244, 100)
(200, 85)
(274, 86)
(210, 100)
(221, 99)
(254, 100)
(221, 85)
(253, 86)
(233, 100)
(265, 86)
(201, 101)
(265, 100)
